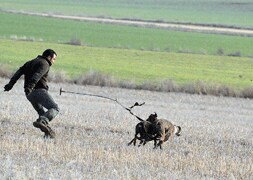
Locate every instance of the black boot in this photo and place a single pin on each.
(44, 127)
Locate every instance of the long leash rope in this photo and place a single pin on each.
(115, 100)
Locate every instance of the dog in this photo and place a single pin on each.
(166, 131)
(146, 130)
(155, 129)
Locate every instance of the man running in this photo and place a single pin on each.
(36, 89)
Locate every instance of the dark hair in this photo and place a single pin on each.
(49, 52)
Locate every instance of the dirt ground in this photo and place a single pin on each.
(92, 136)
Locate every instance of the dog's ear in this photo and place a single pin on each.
(155, 114)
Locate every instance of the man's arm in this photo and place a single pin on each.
(15, 77)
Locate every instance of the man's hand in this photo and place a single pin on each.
(28, 91)
(8, 87)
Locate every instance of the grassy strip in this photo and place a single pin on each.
(105, 35)
(227, 12)
(139, 66)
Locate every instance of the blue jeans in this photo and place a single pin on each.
(41, 100)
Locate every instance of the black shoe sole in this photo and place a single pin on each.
(42, 127)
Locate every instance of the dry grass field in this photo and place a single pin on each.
(92, 137)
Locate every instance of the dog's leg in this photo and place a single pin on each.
(162, 135)
(133, 140)
(160, 144)
(140, 142)
(145, 140)
(144, 143)
(155, 143)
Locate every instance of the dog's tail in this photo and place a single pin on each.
(179, 131)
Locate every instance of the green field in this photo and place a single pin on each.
(226, 12)
(106, 35)
(134, 64)
(133, 53)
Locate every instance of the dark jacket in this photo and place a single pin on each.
(35, 72)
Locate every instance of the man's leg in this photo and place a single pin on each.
(38, 107)
(41, 124)
(40, 98)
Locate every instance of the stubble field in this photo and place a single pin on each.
(92, 137)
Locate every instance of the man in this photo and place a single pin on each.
(36, 89)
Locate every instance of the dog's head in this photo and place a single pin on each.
(177, 130)
(152, 118)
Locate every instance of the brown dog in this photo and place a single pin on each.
(155, 129)
(166, 130)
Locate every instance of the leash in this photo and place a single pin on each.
(129, 109)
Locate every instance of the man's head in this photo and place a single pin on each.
(50, 55)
